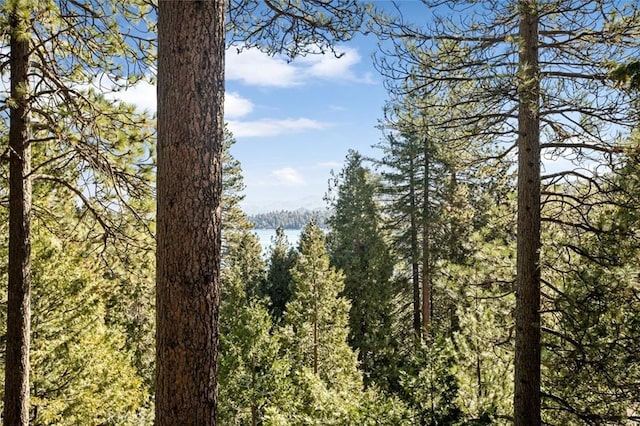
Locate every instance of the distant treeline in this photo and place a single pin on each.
(296, 219)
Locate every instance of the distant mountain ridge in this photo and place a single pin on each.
(289, 219)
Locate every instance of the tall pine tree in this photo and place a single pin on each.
(356, 245)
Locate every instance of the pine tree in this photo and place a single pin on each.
(590, 362)
(278, 285)
(324, 367)
(523, 68)
(191, 37)
(82, 369)
(356, 246)
(401, 177)
(191, 68)
(62, 47)
(87, 363)
(527, 397)
(253, 374)
(16, 383)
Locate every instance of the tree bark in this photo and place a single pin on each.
(191, 45)
(16, 391)
(527, 356)
(426, 246)
(415, 276)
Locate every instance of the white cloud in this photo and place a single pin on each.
(273, 127)
(253, 67)
(287, 176)
(142, 95)
(235, 106)
(330, 66)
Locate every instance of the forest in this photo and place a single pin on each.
(287, 219)
(460, 281)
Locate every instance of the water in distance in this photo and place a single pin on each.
(265, 236)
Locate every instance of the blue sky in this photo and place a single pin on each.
(295, 121)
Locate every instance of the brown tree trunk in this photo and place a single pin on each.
(426, 247)
(191, 44)
(527, 357)
(16, 391)
(315, 328)
(415, 276)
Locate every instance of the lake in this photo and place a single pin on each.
(265, 235)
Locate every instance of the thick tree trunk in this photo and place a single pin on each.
(190, 130)
(527, 358)
(16, 391)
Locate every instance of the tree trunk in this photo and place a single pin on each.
(527, 357)
(426, 247)
(315, 326)
(191, 44)
(16, 391)
(415, 278)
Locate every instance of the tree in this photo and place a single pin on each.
(356, 246)
(253, 374)
(278, 285)
(628, 73)
(456, 202)
(82, 368)
(56, 50)
(401, 192)
(85, 364)
(523, 65)
(425, 176)
(527, 356)
(16, 401)
(317, 314)
(592, 355)
(191, 39)
(324, 368)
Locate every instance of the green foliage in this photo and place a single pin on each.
(324, 367)
(278, 285)
(83, 369)
(592, 345)
(484, 348)
(316, 319)
(293, 28)
(357, 247)
(253, 375)
(590, 337)
(88, 147)
(303, 333)
(627, 75)
(93, 171)
(430, 384)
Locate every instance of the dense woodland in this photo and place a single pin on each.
(462, 281)
(288, 219)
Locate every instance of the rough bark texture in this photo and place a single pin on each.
(527, 358)
(190, 129)
(16, 396)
